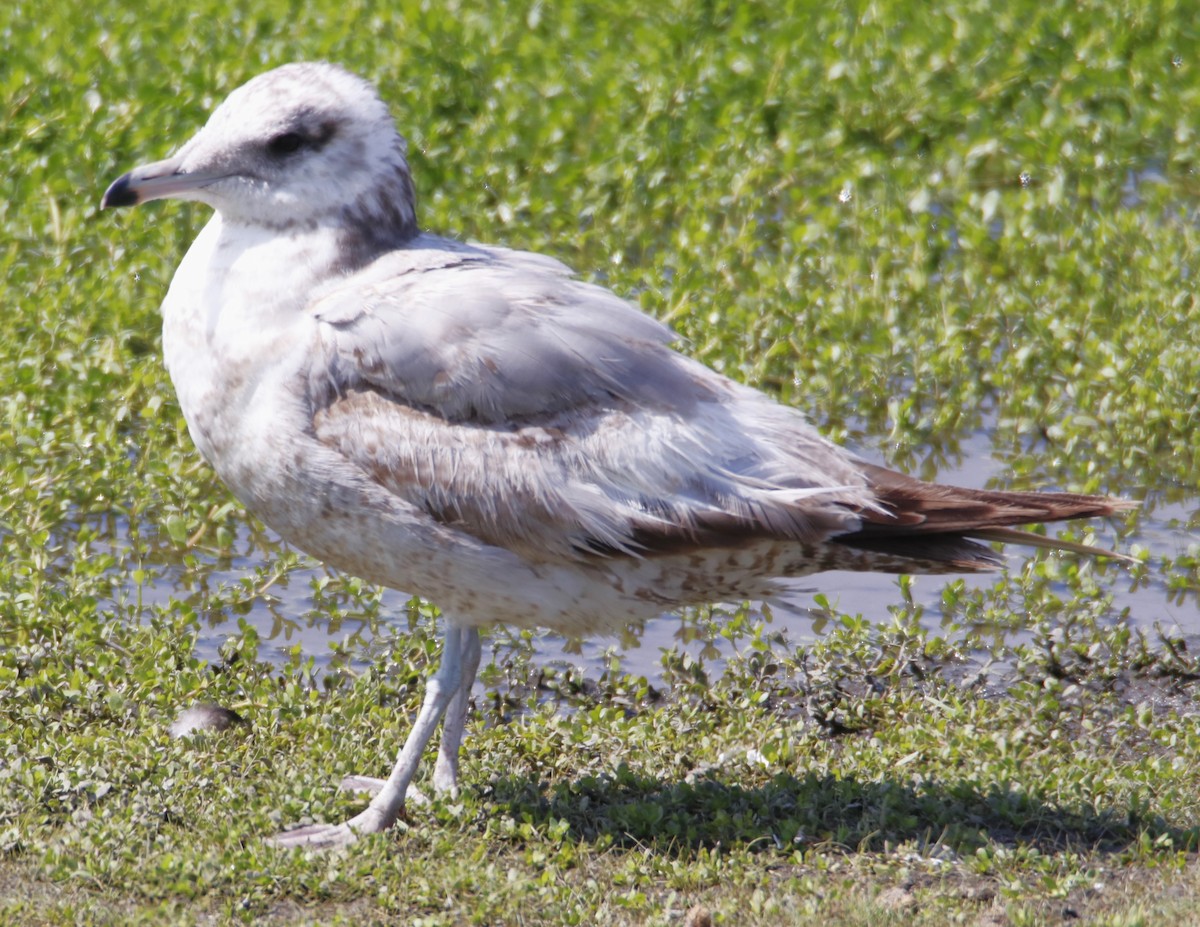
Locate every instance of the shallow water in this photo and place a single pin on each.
(282, 609)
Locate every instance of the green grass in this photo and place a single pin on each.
(920, 227)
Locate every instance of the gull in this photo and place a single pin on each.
(478, 426)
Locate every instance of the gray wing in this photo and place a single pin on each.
(547, 416)
(489, 335)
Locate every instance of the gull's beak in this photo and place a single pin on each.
(156, 181)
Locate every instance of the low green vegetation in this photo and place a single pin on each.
(961, 238)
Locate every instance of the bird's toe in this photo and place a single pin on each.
(369, 785)
(315, 837)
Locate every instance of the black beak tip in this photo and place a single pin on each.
(121, 193)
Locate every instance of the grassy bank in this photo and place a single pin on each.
(923, 229)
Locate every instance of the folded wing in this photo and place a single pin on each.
(547, 416)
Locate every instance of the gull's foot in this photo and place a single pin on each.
(369, 785)
(332, 836)
(316, 837)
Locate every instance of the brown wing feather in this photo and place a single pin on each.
(932, 521)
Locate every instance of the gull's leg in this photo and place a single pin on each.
(385, 807)
(445, 773)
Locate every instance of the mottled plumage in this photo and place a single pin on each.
(476, 425)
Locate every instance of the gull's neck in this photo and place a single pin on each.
(381, 218)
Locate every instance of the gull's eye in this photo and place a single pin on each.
(285, 143)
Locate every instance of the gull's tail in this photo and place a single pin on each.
(940, 526)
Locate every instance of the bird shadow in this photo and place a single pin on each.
(631, 809)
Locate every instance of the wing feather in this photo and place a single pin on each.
(549, 417)
(625, 482)
(488, 335)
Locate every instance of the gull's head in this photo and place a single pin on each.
(297, 147)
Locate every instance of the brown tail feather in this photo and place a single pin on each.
(934, 524)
